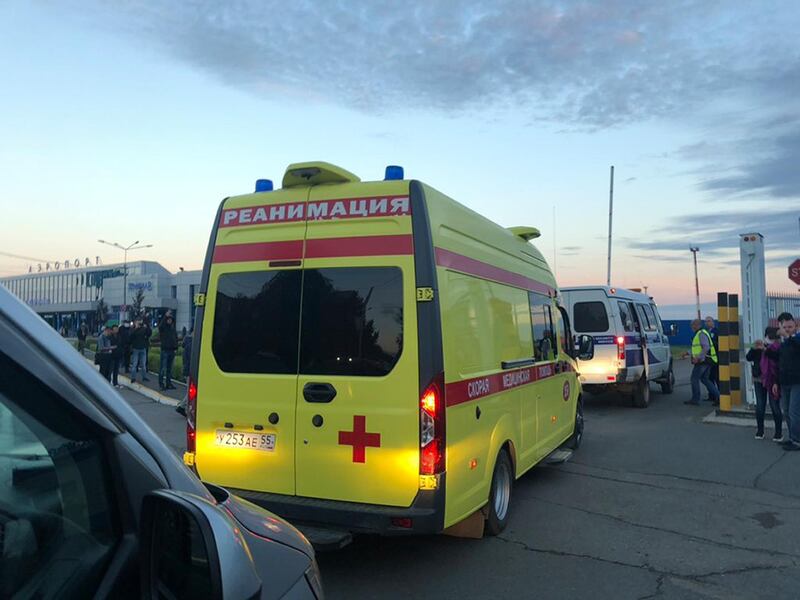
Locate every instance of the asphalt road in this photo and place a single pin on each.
(655, 504)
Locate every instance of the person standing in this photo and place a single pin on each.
(711, 328)
(788, 385)
(138, 341)
(116, 356)
(703, 356)
(769, 377)
(125, 345)
(105, 347)
(755, 356)
(169, 344)
(83, 333)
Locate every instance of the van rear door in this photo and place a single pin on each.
(357, 394)
(247, 376)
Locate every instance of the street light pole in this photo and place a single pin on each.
(694, 250)
(125, 250)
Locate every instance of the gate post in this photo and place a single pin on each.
(722, 353)
(733, 349)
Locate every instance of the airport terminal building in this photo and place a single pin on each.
(66, 297)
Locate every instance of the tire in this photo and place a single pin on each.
(669, 385)
(641, 395)
(500, 495)
(574, 442)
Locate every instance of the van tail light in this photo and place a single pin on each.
(191, 415)
(621, 347)
(431, 428)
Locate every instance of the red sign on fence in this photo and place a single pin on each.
(794, 271)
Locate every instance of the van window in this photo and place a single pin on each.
(652, 316)
(256, 320)
(544, 340)
(625, 316)
(643, 317)
(590, 317)
(352, 321)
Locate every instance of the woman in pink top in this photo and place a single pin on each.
(769, 377)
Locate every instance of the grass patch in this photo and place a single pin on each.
(677, 351)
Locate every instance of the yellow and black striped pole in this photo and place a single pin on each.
(722, 353)
(733, 349)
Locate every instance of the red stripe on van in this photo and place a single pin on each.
(465, 264)
(373, 245)
(258, 251)
(467, 390)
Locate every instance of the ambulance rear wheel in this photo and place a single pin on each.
(500, 495)
(641, 394)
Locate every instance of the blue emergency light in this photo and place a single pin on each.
(264, 185)
(393, 173)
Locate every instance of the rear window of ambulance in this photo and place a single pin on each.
(352, 321)
(590, 317)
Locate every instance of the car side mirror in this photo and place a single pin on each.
(673, 329)
(585, 347)
(191, 549)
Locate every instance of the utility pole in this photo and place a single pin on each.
(694, 250)
(610, 220)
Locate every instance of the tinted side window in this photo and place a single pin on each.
(256, 321)
(352, 321)
(625, 316)
(544, 341)
(652, 315)
(57, 516)
(648, 326)
(590, 317)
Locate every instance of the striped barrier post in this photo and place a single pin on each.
(733, 349)
(722, 353)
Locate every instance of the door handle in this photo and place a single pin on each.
(319, 392)
(516, 363)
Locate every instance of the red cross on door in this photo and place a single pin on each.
(359, 439)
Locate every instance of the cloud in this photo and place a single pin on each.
(717, 233)
(589, 64)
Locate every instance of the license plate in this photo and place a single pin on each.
(245, 439)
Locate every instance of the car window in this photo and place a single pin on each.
(544, 342)
(256, 320)
(352, 321)
(648, 326)
(590, 317)
(652, 315)
(625, 316)
(57, 519)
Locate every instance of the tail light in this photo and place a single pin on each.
(431, 428)
(621, 347)
(191, 415)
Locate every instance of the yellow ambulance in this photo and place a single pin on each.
(375, 356)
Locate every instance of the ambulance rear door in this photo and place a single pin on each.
(247, 376)
(358, 390)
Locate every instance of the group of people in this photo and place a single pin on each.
(776, 374)
(126, 347)
(775, 364)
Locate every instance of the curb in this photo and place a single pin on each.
(713, 417)
(142, 390)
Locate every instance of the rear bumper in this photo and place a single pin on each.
(606, 378)
(426, 513)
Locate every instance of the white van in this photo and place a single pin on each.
(631, 348)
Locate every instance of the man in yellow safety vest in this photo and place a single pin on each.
(704, 356)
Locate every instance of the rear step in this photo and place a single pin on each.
(324, 539)
(557, 457)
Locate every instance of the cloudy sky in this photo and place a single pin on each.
(131, 120)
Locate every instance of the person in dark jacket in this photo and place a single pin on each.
(139, 339)
(105, 348)
(711, 327)
(756, 355)
(788, 355)
(116, 355)
(169, 344)
(124, 340)
(83, 333)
